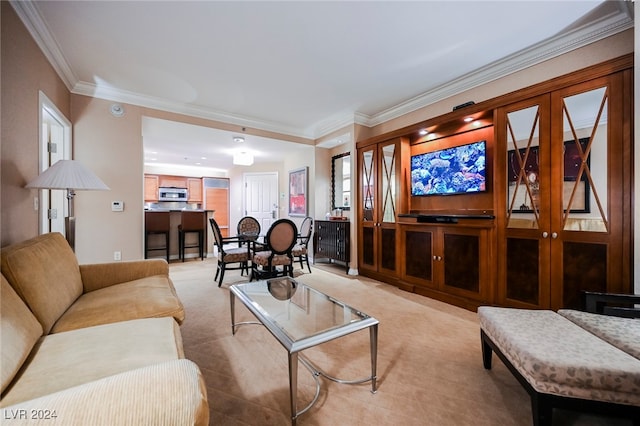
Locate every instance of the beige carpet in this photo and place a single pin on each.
(429, 360)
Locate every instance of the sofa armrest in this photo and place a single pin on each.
(101, 275)
(171, 393)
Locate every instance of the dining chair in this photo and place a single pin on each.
(276, 258)
(228, 255)
(249, 225)
(301, 250)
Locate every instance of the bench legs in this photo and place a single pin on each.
(542, 404)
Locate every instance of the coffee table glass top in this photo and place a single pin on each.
(299, 316)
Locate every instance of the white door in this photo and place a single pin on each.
(261, 198)
(55, 144)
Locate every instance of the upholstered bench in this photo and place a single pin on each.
(562, 364)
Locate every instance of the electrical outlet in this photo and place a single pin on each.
(117, 255)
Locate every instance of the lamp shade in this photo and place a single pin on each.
(68, 174)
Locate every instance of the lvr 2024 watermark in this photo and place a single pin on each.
(31, 414)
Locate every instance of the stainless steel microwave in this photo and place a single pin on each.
(173, 194)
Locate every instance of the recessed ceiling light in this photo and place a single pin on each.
(424, 132)
(238, 139)
(468, 119)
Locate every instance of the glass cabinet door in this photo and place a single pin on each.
(388, 203)
(388, 180)
(587, 206)
(368, 198)
(378, 203)
(527, 204)
(564, 210)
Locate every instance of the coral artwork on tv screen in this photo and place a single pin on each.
(456, 170)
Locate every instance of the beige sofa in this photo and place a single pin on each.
(567, 359)
(92, 344)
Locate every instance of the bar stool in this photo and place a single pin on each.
(156, 223)
(191, 222)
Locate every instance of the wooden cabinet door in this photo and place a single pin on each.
(173, 181)
(194, 186)
(151, 188)
(454, 260)
(417, 254)
(380, 186)
(462, 261)
(588, 204)
(564, 169)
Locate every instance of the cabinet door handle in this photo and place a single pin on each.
(554, 235)
(545, 234)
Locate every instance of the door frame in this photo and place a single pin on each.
(45, 105)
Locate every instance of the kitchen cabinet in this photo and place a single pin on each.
(172, 181)
(331, 241)
(452, 262)
(382, 168)
(151, 188)
(194, 185)
(564, 165)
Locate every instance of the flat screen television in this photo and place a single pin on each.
(449, 171)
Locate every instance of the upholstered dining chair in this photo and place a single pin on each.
(249, 225)
(301, 250)
(276, 258)
(228, 255)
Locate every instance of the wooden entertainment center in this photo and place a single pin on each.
(553, 218)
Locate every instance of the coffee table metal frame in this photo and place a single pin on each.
(294, 347)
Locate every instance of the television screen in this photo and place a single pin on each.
(457, 170)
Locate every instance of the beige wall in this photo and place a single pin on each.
(610, 48)
(112, 147)
(25, 71)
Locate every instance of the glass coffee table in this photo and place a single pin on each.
(300, 317)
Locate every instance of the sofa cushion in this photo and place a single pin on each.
(20, 331)
(623, 333)
(44, 272)
(169, 393)
(144, 298)
(558, 357)
(63, 360)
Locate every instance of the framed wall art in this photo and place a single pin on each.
(298, 192)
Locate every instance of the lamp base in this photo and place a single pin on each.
(70, 231)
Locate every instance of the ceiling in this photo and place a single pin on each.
(299, 68)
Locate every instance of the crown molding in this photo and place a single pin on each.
(132, 98)
(610, 24)
(618, 20)
(36, 26)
